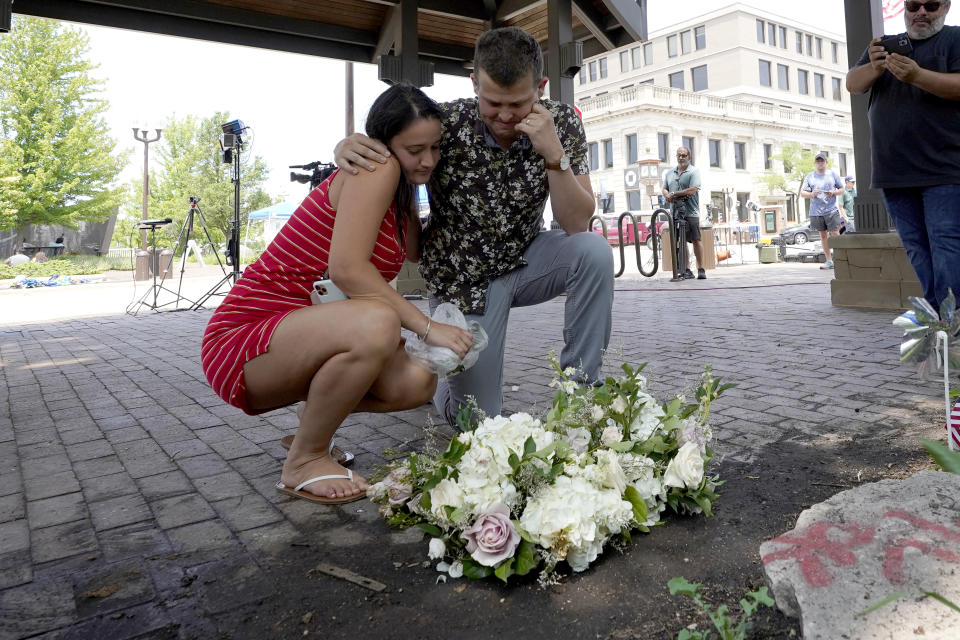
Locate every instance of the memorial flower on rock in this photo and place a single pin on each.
(521, 493)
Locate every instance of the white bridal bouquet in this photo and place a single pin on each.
(519, 493)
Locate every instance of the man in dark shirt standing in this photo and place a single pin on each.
(915, 141)
(501, 155)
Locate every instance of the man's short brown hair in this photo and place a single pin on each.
(507, 55)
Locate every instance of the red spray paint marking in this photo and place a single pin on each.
(808, 549)
(893, 558)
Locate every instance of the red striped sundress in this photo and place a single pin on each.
(276, 284)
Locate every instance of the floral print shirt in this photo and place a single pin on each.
(486, 203)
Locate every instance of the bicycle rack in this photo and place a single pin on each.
(654, 240)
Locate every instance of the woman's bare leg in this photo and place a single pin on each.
(329, 355)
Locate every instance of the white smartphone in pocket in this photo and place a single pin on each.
(326, 291)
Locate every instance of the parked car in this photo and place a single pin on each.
(643, 229)
(801, 233)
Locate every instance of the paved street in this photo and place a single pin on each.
(135, 503)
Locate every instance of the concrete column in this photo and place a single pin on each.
(559, 33)
(408, 45)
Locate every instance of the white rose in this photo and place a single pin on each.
(619, 404)
(686, 468)
(611, 435)
(597, 413)
(437, 549)
(579, 439)
(446, 493)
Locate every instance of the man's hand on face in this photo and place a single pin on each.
(538, 126)
(903, 68)
(357, 150)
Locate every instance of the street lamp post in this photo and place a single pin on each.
(146, 175)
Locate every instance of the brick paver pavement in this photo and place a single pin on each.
(134, 502)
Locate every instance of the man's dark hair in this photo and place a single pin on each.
(507, 55)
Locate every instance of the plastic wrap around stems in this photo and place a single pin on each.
(441, 360)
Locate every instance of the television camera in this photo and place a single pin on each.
(319, 171)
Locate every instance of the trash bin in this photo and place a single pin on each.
(769, 253)
(142, 269)
(165, 269)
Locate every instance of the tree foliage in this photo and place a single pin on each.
(57, 163)
(190, 163)
(797, 163)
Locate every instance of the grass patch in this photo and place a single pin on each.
(72, 265)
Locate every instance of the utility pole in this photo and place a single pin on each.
(348, 91)
(146, 176)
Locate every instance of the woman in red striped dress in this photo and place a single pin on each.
(266, 346)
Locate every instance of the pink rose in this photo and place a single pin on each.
(492, 537)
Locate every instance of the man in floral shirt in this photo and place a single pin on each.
(501, 155)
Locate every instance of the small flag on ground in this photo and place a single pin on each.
(953, 426)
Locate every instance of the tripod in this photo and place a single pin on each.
(155, 264)
(233, 244)
(186, 231)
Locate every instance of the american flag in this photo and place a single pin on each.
(953, 425)
(891, 9)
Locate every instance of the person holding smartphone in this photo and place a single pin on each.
(914, 114)
(266, 346)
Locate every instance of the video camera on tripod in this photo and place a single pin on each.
(320, 171)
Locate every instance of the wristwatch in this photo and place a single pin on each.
(563, 165)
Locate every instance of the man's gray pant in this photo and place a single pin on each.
(580, 265)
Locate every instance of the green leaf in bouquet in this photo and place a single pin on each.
(556, 471)
(529, 446)
(455, 451)
(623, 446)
(466, 419)
(653, 444)
(513, 460)
(688, 410)
(425, 502)
(639, 504)
(525, 558)
(456, 515)
(504, 570)
(524, 534)
(562, 450)
(704, 503)
(435, 479)
(680, 586)
(671, 408)
(432, 529)
(475, 570)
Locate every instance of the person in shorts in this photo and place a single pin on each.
(821, 187)
(682, 184)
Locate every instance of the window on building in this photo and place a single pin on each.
(836, 88)
(699, 77)
(818, 85)
(594, 156)
(635, 54)
(687, 141)
(760, 31)
(787, 165)
(783, 77)
(624, 61)
(700, 37)
(768, 156)
(803, 84)
(720, 215)
(593, 71)
(686, 41)
(740, 155)
(799, 42)
(663, 146)
(820, 48)
(743, 213)
(783, 37)
(714, 153)
(607, 205)
(647, 81)
(842, 163)
(765, 73)
(631, 145)
(676, 79)
(582, 74)
(603, 67)
(648, 53)
(771, 34)
(809, 39)
(607, 154)
(672, 46)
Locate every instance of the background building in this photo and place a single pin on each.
(735, 86)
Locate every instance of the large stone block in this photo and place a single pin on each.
(872, 271)
(863, 545)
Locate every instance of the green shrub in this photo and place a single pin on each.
(73, 265)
